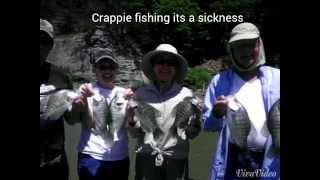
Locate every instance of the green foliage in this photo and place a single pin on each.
(199, 77)
(186, 7)
(212, 36)
(177, 30)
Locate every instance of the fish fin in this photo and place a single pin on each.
(115, 136)
(56, 114)
(108, 115)
(64, 98)
(149, 139)
(181, 133)
(156, 112)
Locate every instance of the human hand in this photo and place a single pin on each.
(131, 106)
(220, 106)
(129, 94)
(81, 100)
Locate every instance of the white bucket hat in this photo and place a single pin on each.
(147, 68)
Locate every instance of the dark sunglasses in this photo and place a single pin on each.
(106, 66)
(169, 62)
(245, 43)
(45, 39)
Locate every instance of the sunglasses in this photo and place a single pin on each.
(244, 43)
(169, 62)
(45, 39)
(106, 66)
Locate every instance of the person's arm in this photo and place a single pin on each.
(79, 106)
(212, 114)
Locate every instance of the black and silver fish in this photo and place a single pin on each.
(117, 109)
(185, 110)
(273, 124)
(108, 118)
(99, 109)
(238, 122)
(57, 104)
(147, 115)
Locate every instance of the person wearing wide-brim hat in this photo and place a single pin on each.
(255, 86)
(165, 52)
(53, 160)
(165, 156)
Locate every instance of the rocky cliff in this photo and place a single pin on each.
(72, 52)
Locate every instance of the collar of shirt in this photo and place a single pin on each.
(174, 90)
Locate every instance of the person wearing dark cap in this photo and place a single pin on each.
(257, 88)
(101, 154)
(165, 157)
(53, 161)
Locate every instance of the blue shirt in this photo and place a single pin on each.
(220, 85)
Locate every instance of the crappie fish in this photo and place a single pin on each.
(117, 110)
(185, 110)
(99, 110)
(57, 104)
(273, 124)
(238, 121)
(109, 118)
(147, 116)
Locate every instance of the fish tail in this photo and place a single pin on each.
(115, 136)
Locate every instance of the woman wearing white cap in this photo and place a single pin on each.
(101, 155)
(257, 88)
(166, 158)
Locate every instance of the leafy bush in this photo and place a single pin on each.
(199, 77)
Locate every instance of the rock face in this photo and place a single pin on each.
(214, 65)
(72, 52)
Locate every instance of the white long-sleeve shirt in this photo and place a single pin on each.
(249, 94)
(92, 142)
